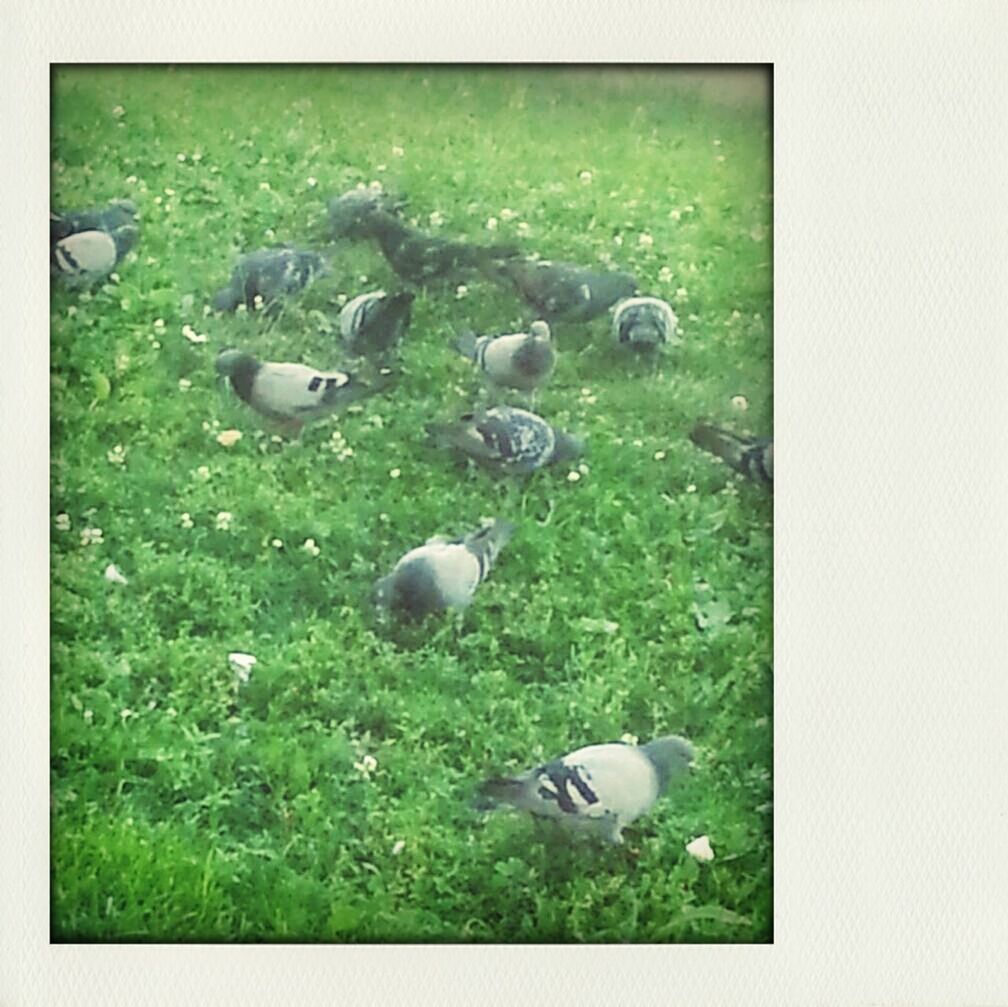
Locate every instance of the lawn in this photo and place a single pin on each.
(635, 598)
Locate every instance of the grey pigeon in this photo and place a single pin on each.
(269, 273)
(599, 789)
(561, 291)
(420, 258)
(521, 360)
(85, 246)
(291, 394)
(442, 574)
(507, 439)
(347, 213)
(644, 323)
(752, 456)
(372, 324)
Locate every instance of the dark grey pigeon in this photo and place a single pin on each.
(269, 273)
(442, 574)
(290, 394)
(560, 291)
(507, 440)
(86, 245)
(419, 258)
(373, 324)
(520, 360)
(596, 790)
(644, 324)
(752, 456)
(347, 213)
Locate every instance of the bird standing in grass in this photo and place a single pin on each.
(752, 456)
(644, 324)
(373, 324)
(519, 360)
(442, 574)
(85, 245)
(418, 257)
(290, 394)
(599, 789)
(560, 291)
(507, 440)
(269, 274)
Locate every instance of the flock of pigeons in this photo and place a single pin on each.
(598, 789)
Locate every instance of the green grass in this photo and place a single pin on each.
(189, 807)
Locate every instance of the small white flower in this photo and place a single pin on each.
(264, 186)
(192, 335)
(276, 543)
(71, 311)
(586, 177)
(681, 294)
(720, 157)
(242, 665)
(197, 157)
(460, 291)
(398, 152)
(573, 476)
(674, 214)
(118, 111)
(62, 522)
(491, 224)
(645, 240)
(169, 192)
(507, 214)
(629, 739)
(583, 469)
(126, 713)
(310, 547)
(311, 181)
(740, 402)
(380, 167)
(223, 520)
(341, 299)
(88, 716)
(180, 158)
(186, 521)
(700, 849)
(689, 208)
(394, 473)
(398, 847)
(659, 456)
(113, 575)
(366, 766)
(618, 239)
(257, 302)
(638, 443)
(522, 228)
(436, 219)
(184, 384)
(665, 274)
(228, 438)
(113, 277)
(691, 488)
(159, 324)
(203, 472)
(91, 536)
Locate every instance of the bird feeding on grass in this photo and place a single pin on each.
(442, 574)
(752, 456)
(597, 790)
(520, 360)
(85, 245)
(373, 324)
(561, 291)
(290, 394)
(507, 440)
(644, 324)
(269, 275)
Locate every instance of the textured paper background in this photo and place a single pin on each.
(891, 789)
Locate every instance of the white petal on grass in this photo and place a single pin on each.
(700, 849)
(113, 575)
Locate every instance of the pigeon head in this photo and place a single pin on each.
(567, 447)
(411, 590)
(125, 238)
(671, 757)
(349, 214)
(235, 364)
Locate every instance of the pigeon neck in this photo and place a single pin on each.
(243, 377)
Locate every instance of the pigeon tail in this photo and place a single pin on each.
(487, 542)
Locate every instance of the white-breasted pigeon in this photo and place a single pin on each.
(599, 789)
(507, 440)
(752, 456)
(442, 574)
(85, 245)
(520, 360)
(373, 324)
(269, 274)
(290, 394)
(644, 324)
(562, 291)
